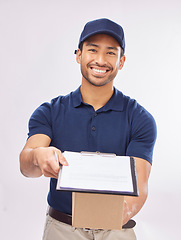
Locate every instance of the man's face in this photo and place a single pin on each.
(100, 59)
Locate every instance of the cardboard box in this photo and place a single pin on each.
(97, 211)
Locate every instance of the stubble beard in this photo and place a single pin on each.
(92, 82)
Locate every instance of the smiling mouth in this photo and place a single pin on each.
(99, 71)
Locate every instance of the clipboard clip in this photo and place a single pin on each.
(84, 153)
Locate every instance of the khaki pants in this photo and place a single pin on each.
(55, 230)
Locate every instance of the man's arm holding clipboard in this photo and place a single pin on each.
(132, 205)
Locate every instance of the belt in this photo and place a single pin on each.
(65, 218)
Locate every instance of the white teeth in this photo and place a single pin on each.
(98, 70)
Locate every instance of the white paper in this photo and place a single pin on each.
(96, 172)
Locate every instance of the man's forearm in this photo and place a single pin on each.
(133, 205)
(27, 166)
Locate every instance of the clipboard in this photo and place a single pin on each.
(101, 173)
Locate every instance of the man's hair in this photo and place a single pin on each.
(122, 51)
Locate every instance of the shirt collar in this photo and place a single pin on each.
(77, 98)
(115, 103)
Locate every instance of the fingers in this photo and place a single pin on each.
(126, 213)
(60, 158)
(48, 165)
(49, 173)
(48, 159)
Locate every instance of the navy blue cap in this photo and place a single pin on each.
(104, 26)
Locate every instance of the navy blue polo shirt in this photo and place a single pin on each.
(122, 127)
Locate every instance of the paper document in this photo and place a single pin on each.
(92, 172)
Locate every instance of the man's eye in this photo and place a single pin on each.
(92, 50)
(111, 53)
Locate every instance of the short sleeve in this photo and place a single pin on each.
(40, 121)
(143, 134)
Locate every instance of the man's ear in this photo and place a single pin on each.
(122, 61)
(78, 56)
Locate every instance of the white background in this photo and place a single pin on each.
(37, 42)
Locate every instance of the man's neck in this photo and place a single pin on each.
(96, 96)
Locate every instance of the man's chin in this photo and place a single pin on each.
(98, 82)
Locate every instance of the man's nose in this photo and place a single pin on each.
(100, 59)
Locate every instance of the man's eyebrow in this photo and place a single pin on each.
(96, 45)
(92, 44)
(112, 48)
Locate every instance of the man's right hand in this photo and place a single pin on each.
(44, 158)
(38, 158)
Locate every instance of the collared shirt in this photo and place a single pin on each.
(122, 127)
